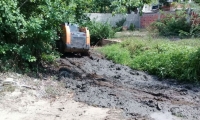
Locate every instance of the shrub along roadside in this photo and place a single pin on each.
(29, 30)
(27, 36)
(99, 31)
(167, 59)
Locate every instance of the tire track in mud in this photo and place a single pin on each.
(100, 82)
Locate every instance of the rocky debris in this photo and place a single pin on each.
(150, 103)
(163, 116)
(8, 81)
(9, 84)
(176, 111)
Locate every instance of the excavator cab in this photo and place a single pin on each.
(74, 39)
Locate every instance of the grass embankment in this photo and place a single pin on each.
(167, 59)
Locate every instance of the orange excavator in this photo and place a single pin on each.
(74, 39)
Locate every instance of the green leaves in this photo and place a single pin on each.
(99, 31)
(193, 65)
(29, 58)
(167, 59)
(28, 30)
(173, 24)
(126, 6)
(117, 54)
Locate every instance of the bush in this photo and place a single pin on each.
(120, 24)
(172, 24)
(99, 31)
(132, 27)
(28, 37)
(167, 59)
(192, 71)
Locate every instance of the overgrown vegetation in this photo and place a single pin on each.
(115, 6)
(127, 6)
(179, 24)
(120, 23)
(28, 31)
(28, 35)
(99, 31)
(132, 27)
(167, 59)
(172, 24)
(29, 28)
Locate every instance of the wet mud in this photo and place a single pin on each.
(100, 82)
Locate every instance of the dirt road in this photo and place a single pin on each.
(99, 82)
(27, 98)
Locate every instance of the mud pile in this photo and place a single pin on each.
(100, 82)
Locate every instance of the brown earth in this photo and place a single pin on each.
(94, 88)
(26, 98)
(100, 82)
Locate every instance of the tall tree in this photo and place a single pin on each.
(128, 5)
(28, 30)
(102, 6)
(80, 7)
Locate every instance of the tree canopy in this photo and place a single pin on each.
(117, 6)
(28, 28)
(128, 5)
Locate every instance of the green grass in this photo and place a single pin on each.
(167, 59)
(117, 54)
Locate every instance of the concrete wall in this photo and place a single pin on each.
(139, 21)
(108, 17)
